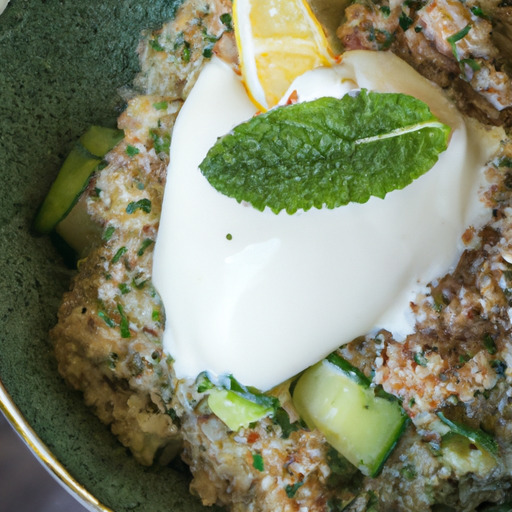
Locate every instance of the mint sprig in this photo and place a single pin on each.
(327, 152)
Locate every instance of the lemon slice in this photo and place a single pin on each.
(277, 41)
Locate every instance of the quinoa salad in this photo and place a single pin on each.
(452, 376)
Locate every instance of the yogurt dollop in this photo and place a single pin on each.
(263, 296)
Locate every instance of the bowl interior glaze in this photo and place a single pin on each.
(61, 65)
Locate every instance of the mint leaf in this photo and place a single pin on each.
(327, 152)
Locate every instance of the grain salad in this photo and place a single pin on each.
(452, 376)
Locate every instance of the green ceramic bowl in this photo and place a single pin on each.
(61, 64)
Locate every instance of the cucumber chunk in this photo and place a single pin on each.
(337, 399)
(234, 410)
(475, 436)
(464, 456)
(78, 229)
(74, 176)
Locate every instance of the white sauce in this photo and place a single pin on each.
(286, 290)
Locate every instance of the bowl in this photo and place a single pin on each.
(62, 63)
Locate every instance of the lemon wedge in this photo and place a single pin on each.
(277, 41)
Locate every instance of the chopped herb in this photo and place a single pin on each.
(404, 21)
(464, 358)
(107, 234)
(208, 52)
(257, 462)
(124, 288)
(155, 45)
(132, 150)
(489, 344)
(145, 244)
(282, 418)
(419, 358)
(229, 236)
(161, 143)
(141, 204)
(412, 401)
(291, 490)
(477, 11)
(385, 10)
(124, 325)
(97, 192)
(227, 21)
(418, 28)
(453, 39)
(472, 63)
(203, 383)
(106, 319)
(505, 162)
(186, 52)
(160, 105)
(139, 284)
(119, 254)
(155, 315)
(408, 472)
(461, 34)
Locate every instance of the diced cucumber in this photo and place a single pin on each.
(74, 176)
(99, 140)
(464, 456)
(78, 229)
(337, 399)
(476, 436)
(234, 410)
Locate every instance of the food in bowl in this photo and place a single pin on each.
(440, 388)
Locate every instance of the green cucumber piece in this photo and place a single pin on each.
(99, 140)
(337, 399)
(234, 410)
(74, 176)
(465, 456)
(476, 436)
(78, 229)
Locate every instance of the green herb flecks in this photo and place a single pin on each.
(327, 152)
(405, 21)
(132, 151)
(161, 143)
(490, 344)
(227, 21)
(106, 319)
(291, 490)
(141, 204)
(452, 40)
(257, 462)
(124, 288)
(119, 254)
(143, 246)
(160, 105)
(155, 45)
(420, 359)
(123, 324)
(107, 234)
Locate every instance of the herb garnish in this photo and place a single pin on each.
(327, 152)
(257, 462)
(141, 204)
(124, 324)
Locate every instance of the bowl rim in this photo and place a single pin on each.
(44, 456)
